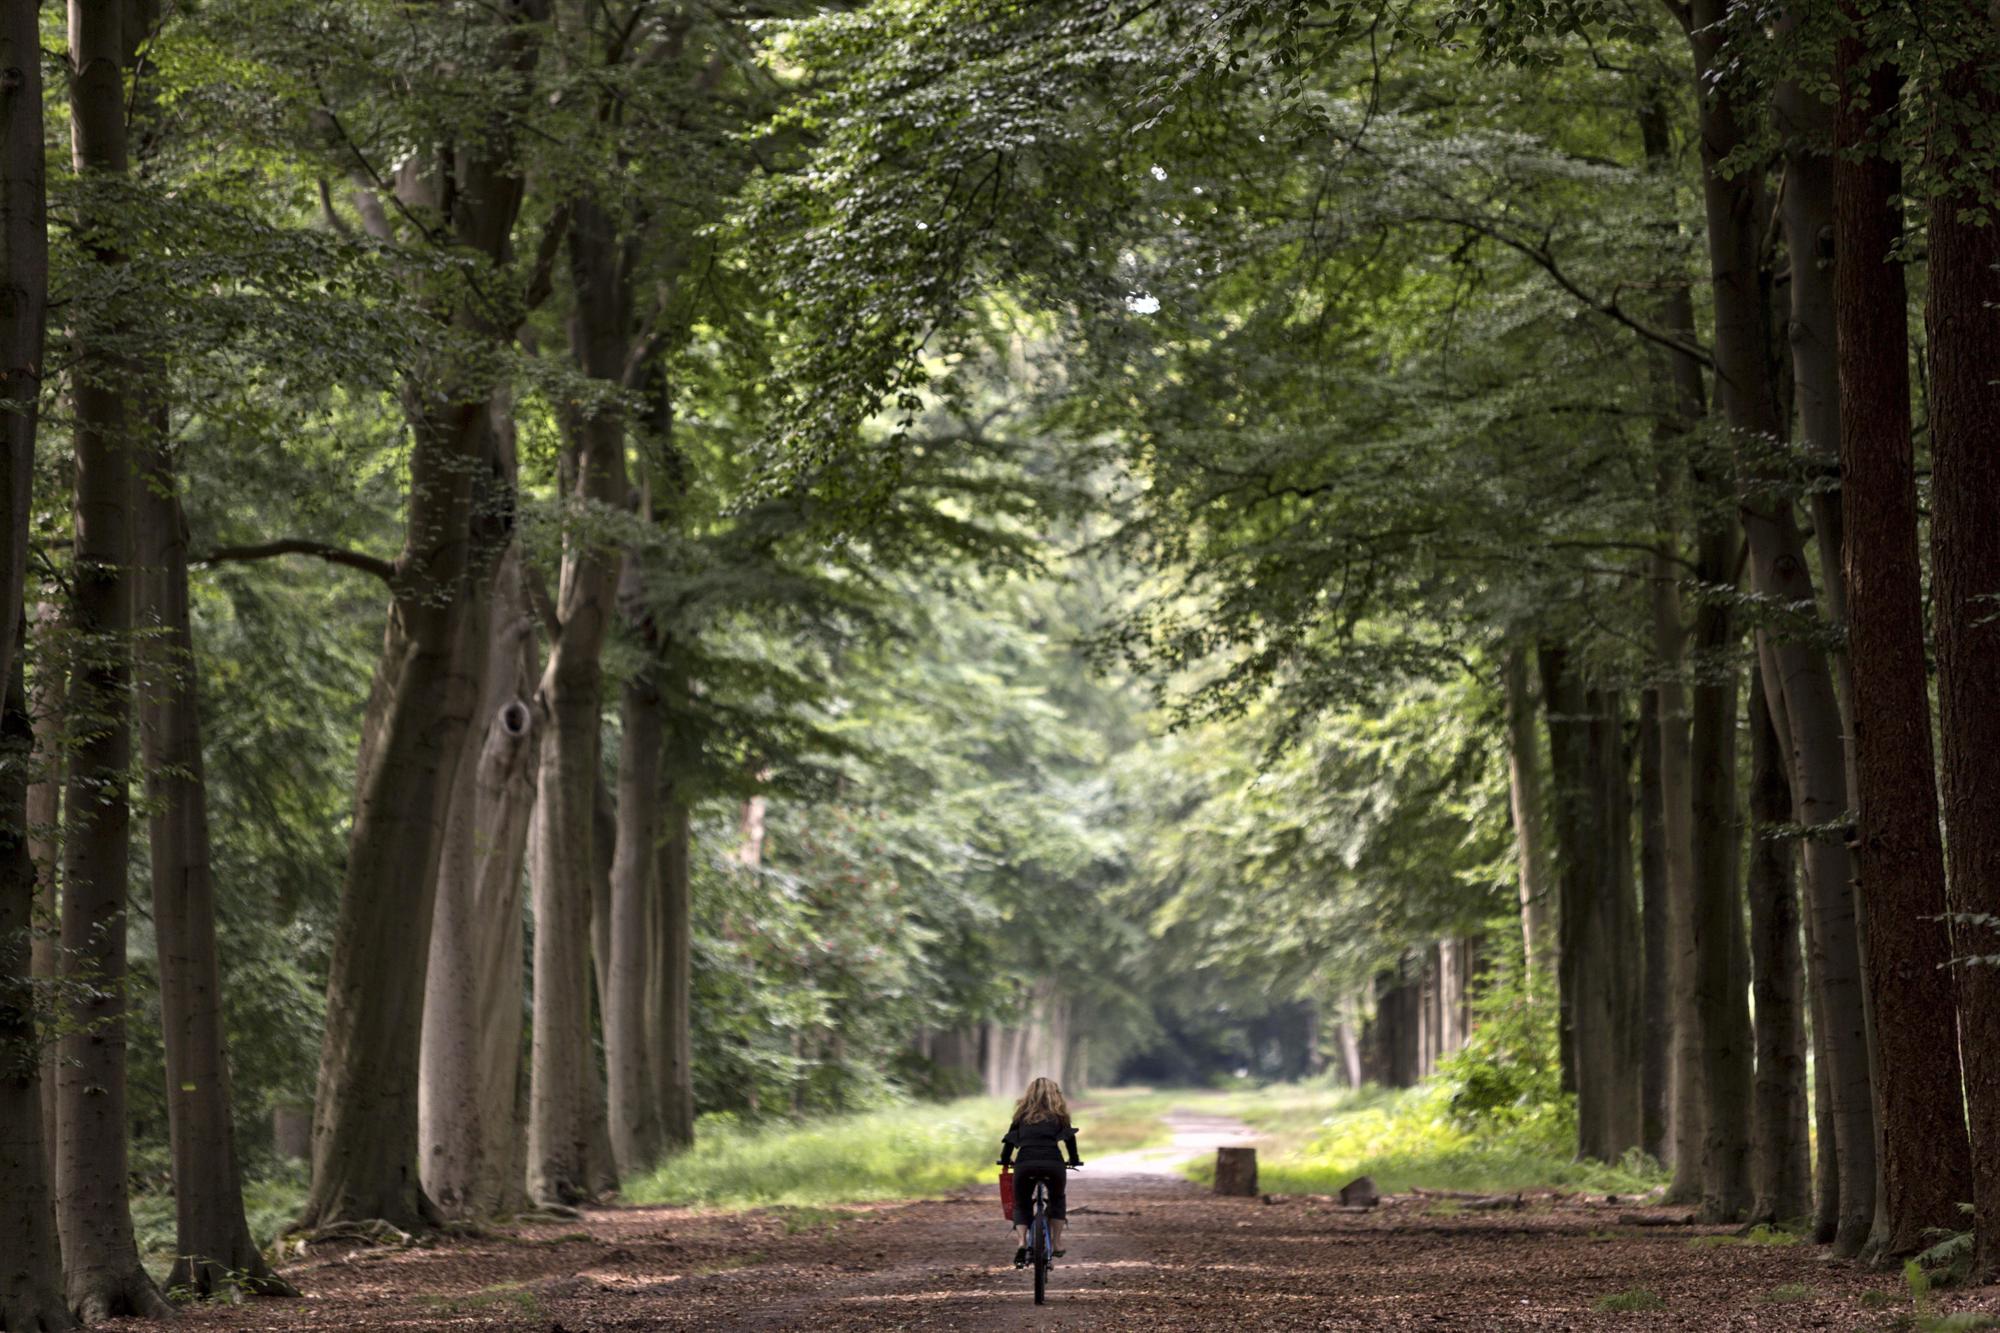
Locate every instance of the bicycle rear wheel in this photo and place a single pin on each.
(1041, 1248)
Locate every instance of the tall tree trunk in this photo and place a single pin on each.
(1806, 211)
(471, 1156)
(1680, 885)
(1680, 395)
(460, 518)
(635, 1119)
(215, 1254)
(1781, 1166)
(47, 707)
(100, 1259)
(571, 702)
(1964, 323)
(1524, 783)
(1656, 1058)
(31, 1290)
(1598, 919)
(1721, 984)
(672, 1037)
(1924, 1168)
(1795, 671)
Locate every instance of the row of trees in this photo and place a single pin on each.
(1570, 341)
(472, 284)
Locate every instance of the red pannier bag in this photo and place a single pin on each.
(1007, 1193)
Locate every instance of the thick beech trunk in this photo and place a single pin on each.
(1924, 1167)
(1656, 1016)
(1597, 917)
(101, 1266)
(365, 1155)
(634, 1104)
(570, 701)
(1964, 324)
(1795, 672)
(1524, 782)
(215, 1254)
(468, 1095)
(1780, 1160)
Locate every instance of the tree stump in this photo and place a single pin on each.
(1236, 1171)
(291, 1130)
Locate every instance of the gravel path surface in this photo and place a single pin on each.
(1147, 1251)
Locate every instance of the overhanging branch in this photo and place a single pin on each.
(333, 555)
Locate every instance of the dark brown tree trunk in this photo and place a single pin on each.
(1721, 983)
(46, 707)
(1924, 1167)
(1781, 1166)
(1796, 672)
(1964, 323)
(101, 1265)
(1656, 1058)
(674, 1042)
(1681, 396)
(1524, 779)
(1597, 919)
(215, 1254)
(634, 1106)
(31, 1287)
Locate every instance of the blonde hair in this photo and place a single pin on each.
(1042, 1101)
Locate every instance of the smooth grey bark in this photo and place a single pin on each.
(570, 703)
(215, 1254)
(1781, 1162)
(471, 1152)
(101, 1270)
(365, 1155)
(1528, 806)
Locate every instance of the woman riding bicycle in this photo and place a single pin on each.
(1034, 1147)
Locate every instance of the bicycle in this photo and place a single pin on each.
(1041, 1237)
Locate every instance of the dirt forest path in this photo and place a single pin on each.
(1147, 1251)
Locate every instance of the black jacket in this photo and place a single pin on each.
(1039, 1143)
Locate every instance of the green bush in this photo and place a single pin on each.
(1510, 1069)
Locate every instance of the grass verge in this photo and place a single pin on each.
(898, 1153)
(1318, 1139)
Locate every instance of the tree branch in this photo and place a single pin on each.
(333, 555)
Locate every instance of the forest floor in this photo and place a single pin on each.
(1147, 1250)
